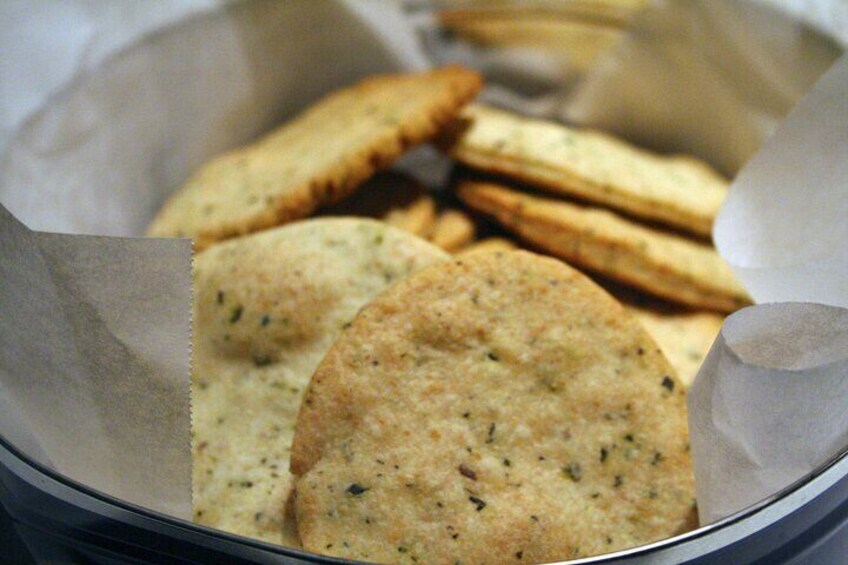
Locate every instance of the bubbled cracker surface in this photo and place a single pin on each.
(317, 158)
(499, 408)
(267, 308)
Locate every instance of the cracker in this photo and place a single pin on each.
(317, 158)
(573, 40)
(680, 192)
(267, 308)
(489, 244)
(663, 264)
(419, 217)
(497, 408)
(453, 230)
(612, 13)
(397, 199)
(685, 337)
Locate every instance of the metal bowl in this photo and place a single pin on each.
(62, 521)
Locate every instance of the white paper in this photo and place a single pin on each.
(93, 358)
(784, 226)
(769, 404)
(47, 45)
(711, 78)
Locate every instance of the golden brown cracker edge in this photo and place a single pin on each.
(663, 264)
(317, 158)
(680, 192)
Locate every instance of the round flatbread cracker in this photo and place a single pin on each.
(499, 408)
(267, 308)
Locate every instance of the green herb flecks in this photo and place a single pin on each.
(574, 471)
(262, 360)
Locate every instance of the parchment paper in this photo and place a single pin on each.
(94, 360)
(94, 342)
(784, 226)
(94, 332)
(769, 404)
(708, 78)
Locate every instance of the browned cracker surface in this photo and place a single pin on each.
(681, 192)
(267, 308)
(317, 158)
(499, 408)
(660, 263)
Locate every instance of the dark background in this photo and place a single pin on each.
(12, 549)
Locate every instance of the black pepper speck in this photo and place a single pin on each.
(479, 503)
(356, 489)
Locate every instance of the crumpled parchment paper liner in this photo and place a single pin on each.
(93, 358)
(768, 405)
(103, 389)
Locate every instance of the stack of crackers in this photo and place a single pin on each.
(372, 380)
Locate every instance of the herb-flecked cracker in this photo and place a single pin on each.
(678, 191)
(661, 263)
(317, 158)
(571, 39)
(684, 336)
(499, 408)
(267, 308)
